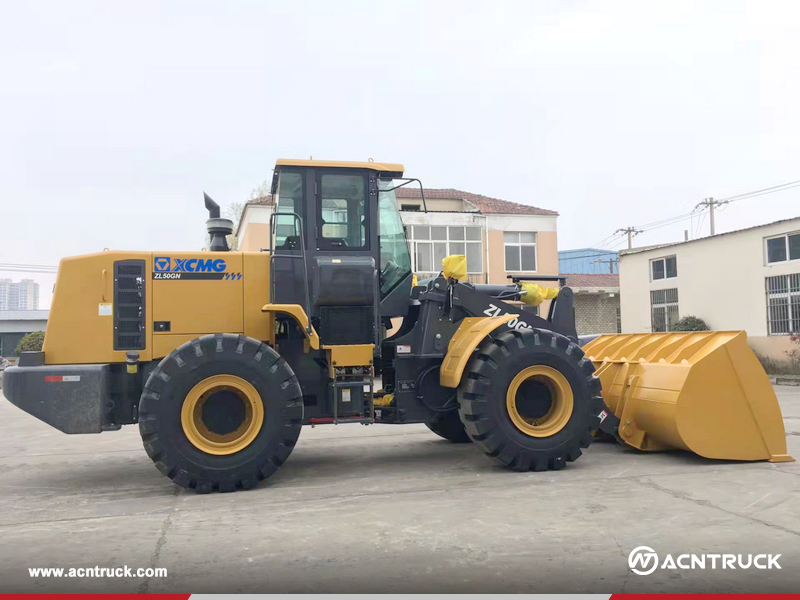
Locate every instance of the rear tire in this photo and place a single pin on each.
(449, 426)
(220, 413)
(530, 400)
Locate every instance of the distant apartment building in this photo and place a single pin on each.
(5, 291)
(22, 295)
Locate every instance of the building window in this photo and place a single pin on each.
(432, 243)
(520, 248)
(410, 207)
(663, 309)
(783, 304)
(664, 268)
(783, 248)
(619, 320)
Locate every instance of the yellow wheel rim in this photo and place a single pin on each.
(553, 397)
(227, 442)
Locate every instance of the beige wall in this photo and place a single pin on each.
(255, 237)
(772, 346)
(546, 260)
(546, 256)
(437, 204)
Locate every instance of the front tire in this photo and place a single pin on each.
(220, 413)
(530, 400)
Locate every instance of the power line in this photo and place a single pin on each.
(611, 262)
(595, 255)
(700, 224)
(631, 231)
(769, 190)
(712, 203)
(666, 221)
(605, 241)
(23, 268)
(707, 206)
(29, 265)
(650, 226)
(672, 221)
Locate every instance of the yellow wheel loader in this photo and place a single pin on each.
(221, 357)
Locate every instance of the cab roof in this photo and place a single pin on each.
(381, 167)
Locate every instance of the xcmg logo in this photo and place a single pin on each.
(175, 269)
(162, 264)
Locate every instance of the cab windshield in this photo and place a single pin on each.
(395, 259)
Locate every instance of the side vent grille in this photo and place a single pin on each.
(129, 315)
(346, 325)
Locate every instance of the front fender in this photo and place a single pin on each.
(464, 341)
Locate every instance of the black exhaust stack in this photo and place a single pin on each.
(217, 227)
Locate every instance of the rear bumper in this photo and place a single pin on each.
(71, 398)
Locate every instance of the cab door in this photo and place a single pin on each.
(344, 265)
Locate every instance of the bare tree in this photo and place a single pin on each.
(234, 212)
(263, 190)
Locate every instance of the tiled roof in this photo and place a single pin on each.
(592, 280)
(262, 200)
(484, 204)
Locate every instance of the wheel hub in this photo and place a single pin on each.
(222, 415)
(539, 401)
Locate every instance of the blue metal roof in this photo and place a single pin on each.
(587, 260)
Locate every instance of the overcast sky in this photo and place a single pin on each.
(115, 117)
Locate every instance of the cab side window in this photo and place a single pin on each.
(343, 211)
(290, 200)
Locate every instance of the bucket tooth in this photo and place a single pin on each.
(703, 392)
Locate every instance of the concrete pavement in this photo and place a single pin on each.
(390, 509)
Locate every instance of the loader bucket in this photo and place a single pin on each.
(705, 392)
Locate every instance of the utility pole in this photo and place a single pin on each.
(631, 231)
(611, 262)
(711, 203)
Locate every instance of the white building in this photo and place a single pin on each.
(747, 279)
(16, 324)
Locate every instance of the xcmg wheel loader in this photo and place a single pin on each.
(221, 357)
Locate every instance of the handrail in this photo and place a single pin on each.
(273, 223)
(408, 180)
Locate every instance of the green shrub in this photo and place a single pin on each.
(30, 343)
(690, 323)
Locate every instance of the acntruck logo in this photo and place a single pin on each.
(644, 556)
(162, 264)
(643, 560)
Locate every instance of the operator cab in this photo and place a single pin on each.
(338, 246)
